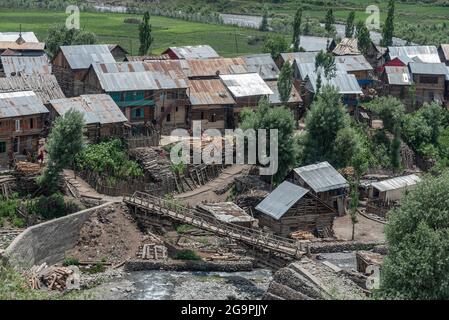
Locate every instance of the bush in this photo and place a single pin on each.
(187, 254)
(183, 228)
(97, 268)
(70, 261)
(51, 207)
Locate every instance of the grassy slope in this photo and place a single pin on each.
(110, 28)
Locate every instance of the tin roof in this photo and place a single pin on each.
(445, 49)
(321, 177)
(96, 108)
(278, 202)
(13, 36)
(427, 54)
(25, 65)
(227, 212)
(246, 85)
(263, 64)
(300, 57)
(17, 104)
(354, 63)
(428, 68)
(347, 46)
(149, 75)
(398, 75)
(209, 92)
(344, 83)
(145, 58)
(304, 69)
(396, 183)
(213, 67)
(195, 52)
(310, 43)
(275, 98)
(82, 56)
(46, 87)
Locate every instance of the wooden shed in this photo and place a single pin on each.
(290, 208)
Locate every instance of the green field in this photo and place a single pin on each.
(110, 28)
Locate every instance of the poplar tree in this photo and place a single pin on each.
(329, 21)
(285, 82)
(363, 38)
(145, 34)
(297, 29)
(350, 27)
(388, 28)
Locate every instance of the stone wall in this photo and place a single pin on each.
(48, 241)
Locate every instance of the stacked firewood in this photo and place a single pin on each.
(27, 168)
(54, 278)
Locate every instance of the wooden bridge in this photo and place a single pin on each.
(253, 237)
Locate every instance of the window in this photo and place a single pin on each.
(213, 118)
(31, 123)
(2, 146)
(137, 113)
(176, 109)
(202, 115)
(162, 109)
(168, 117)
(17, 125)
(428, 79)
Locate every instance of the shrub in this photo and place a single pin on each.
(70, 261)
(187, 254)
(51, 207)
(183, 228)
(18, 222)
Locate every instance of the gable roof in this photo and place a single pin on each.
(208, 68)
(13, 36)
(347, 46)
(276, 99)
(20, 41)
(310, 43)
(278, 202)
(428, 68)
(396, 183)
(246, 85)
(343, 82)
(321, 177)
(83, 56)
(194, 52)
(300, 57)
(263, 64)
(445, 50)
(96, 108)
(304, 69)
(149, 75)
(398, 75)
(209, 92)
(17, 104)
(25, 65)
(427, 54)
(354, 63)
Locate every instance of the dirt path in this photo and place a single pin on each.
(206, 192)
(366, 230)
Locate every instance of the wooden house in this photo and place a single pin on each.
(350, 47)
(71, 64)
(102, 117)
(228, 212)
(21, 43)
(325, 182)
(290, 208)
(301, 57)
(397, 82)
(211, 103)
(385, 195)
(423, 54)
(152, 91)
(263, 64)
(213, 68)
(22, 117)
(429, 81)
(294, 103)
(118, 52)
(191, 52)
(358, 66)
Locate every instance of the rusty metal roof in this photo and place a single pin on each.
(263, 64)
(426, 54)
(17, 104)
(275, 98)
(39, 46)
(146, 58)
(149, 75)
(354, 63)
(25, 65)
(46, 87)
(209, 92)
(347, 46)
(213, 67)
(195, 52)
(82, 56)
(246, 85)
(96, 108)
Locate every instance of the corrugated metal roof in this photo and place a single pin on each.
(25, 65)
(46, 87)
(278, 202)
(445, 50)
(396, 183)
(263, 64)
(275, 98)
(82, 56)
(428, 68)
(427, 54)
(246, 85)
(310, 43)
(227, 212)
(209, 92)
(96, 108)
(304, 69)
(347, 46)
(321, 177)
(195, 52)
(146, 58)
(300, 57)
(213, 67)
(344, 83)
(13, 36)
(132, 76)
(398, 75)
(16, 104)
(354, 63)
(39, 46)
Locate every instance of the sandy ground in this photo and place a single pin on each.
(366, 230)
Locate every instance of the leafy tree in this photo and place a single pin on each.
(363, 38)
(417, 234)
(388, 27)
(297, 29)
(350, 149)
(395, 149)
(329, 21)
(275, 45)
(307, 27)
(145, 34)
(59, 35)
(326, 61)
(281, 118)
(264, 24)
(390, 110)
(349, 28)
(285, 82)
(64, 142)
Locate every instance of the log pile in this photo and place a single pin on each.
(302, 235)
(53, 278)
(154, 162)
(27, 168)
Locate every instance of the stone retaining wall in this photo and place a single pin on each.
(188, 265)
(48, 241)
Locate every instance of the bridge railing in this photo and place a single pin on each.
(183, 213)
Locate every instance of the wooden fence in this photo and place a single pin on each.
(143, 141)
